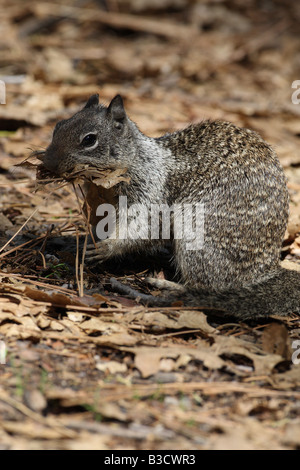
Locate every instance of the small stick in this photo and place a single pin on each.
(136, 295)
(77, 261)
(118, 20)
(43, 259)
(19, 230)
(26, 221)
(84, 250)
(21, 246)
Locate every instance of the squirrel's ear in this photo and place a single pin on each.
(116, 108)
(92, 102)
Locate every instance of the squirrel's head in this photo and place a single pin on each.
(97, 135)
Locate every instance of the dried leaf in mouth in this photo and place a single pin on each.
(106, 178)
(33, 160)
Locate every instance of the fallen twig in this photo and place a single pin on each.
(118, 20)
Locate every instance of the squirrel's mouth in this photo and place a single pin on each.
(86, 173)
(57, 164)
(49, 170)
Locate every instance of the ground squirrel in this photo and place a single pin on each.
(231, 171)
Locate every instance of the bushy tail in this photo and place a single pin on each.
(277, 295)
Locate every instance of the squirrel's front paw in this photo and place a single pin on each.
(100, 251)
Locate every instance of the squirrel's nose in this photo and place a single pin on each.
(51, 160)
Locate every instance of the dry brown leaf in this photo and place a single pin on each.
(94, 325)
(63, 300)
(113, 367)
(43, 322)
(56, 326)
(117, 339)
(31, 429)
(175, 320)
(104, 178)
(96, 195)
(71, 327)
(167, 365)
(148, 360)
(295, 247)
(194, 319)
(275, 340)
(231, 347)
(111, 178)
(287, 264)
(20, 332)
(76, 316)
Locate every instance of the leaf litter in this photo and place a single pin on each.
(89, 368)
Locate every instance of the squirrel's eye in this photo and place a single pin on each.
(89, 140)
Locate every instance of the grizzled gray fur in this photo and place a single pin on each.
(232, 171)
